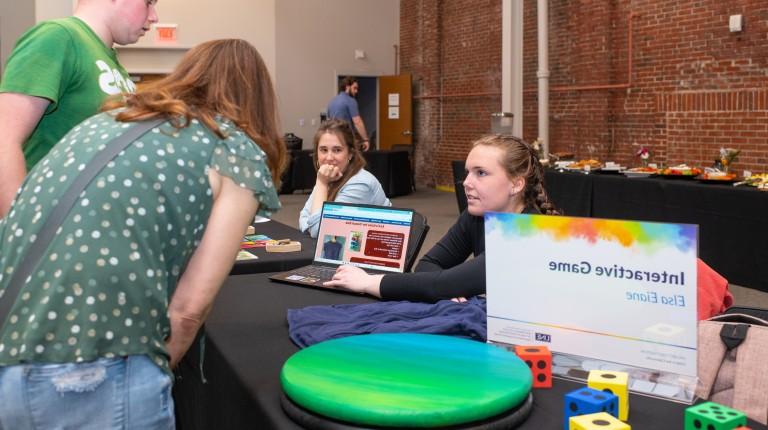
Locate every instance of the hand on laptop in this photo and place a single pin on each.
(355, 279)
(328, 173)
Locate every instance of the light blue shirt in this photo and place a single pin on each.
(362, 188)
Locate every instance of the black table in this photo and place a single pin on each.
(731, 220)
(190, 393)
(248, 344)
(300, 172)
(391, 168)
(276, 261)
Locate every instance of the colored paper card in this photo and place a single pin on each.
(618, 291)
(245, 255)
(255, 237)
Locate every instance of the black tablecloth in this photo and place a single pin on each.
(731, 220)
(248, 344)
(391, 168)
(277, 261)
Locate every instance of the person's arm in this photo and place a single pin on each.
(309, 217)
(19, 115)
(325, 175)
(358, 121)
(443, 273)
(452, 249)
(309, 222)
(355, 279)
(465, 280)
(233, 210)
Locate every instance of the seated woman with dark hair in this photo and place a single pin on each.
(503, 175)
(341, 176)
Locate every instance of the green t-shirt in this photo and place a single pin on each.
(103, 286)
(65, 62)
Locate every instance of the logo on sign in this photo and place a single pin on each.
(542, 337)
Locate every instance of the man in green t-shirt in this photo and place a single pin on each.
(58, 74)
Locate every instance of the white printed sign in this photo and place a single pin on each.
(619, 291)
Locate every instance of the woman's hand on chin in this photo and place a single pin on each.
(355, 279)
(328, 173)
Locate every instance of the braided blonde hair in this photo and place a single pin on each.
(521, 160)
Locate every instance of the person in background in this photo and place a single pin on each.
(341, 176)
(131, 275)
(503, 175)
(344, 106)
(59, 74)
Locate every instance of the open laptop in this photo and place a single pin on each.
(374, 238)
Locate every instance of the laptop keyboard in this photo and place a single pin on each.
(320, 272)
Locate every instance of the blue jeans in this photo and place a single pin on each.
(117, 393)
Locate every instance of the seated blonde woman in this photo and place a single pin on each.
(503, 175)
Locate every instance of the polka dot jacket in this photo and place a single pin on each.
(103, 286)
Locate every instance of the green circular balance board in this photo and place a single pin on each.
(406, 380)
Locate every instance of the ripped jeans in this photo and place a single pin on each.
(116, 393)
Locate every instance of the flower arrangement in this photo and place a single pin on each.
(727, 157)
(644, 153)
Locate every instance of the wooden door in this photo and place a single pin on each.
(395, 111)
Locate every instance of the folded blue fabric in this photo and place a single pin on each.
(314, 324)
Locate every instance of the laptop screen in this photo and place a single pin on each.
(370, 237)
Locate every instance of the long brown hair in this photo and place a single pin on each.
(343, 131)
(224, 77)
(521, 160)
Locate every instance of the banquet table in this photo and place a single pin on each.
(732, 220)
(247, 344)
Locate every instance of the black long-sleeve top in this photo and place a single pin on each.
(444, 272)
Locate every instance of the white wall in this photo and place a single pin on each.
(316, 40)
(51, 9)
(15, 18)
(199, 21)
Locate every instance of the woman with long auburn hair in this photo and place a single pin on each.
(341, 174)
(132, 272)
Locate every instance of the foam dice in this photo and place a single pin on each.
(539, 359)
(600, 420)
(713, 416)
(615, 383)
(588, 401)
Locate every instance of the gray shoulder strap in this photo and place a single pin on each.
(62, 208)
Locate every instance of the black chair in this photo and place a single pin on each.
(458, 182)
(419, 230)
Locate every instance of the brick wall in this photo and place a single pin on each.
(694, 85)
